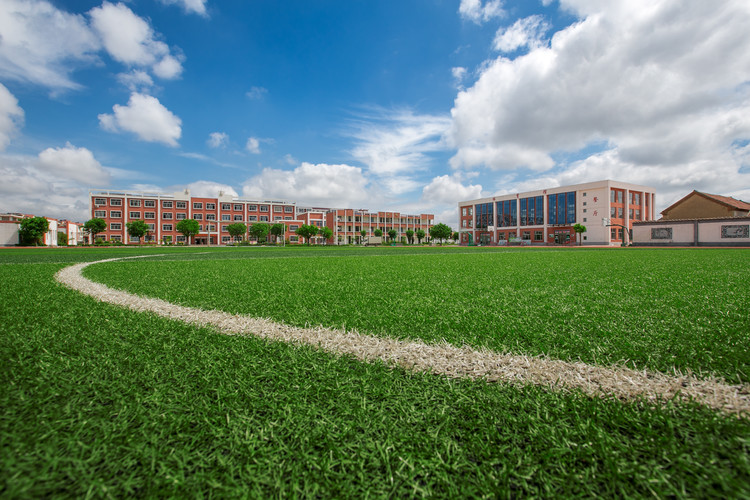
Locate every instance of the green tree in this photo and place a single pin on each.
(326, 232)
(579, 229)
(94, 226)
(137, 229)
(410, 236)
(441, 232)
(455, 236)
(307, 231)
(420, 236)
(277, 230)
(378, 233)
(260, 231)
(237, 230)
(392, 233)
(62, 239)
(32, 230)
(189, 228)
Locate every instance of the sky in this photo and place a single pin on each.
(405, 105)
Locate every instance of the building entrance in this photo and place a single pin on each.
(562, 237)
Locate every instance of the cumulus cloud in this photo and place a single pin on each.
(136, 80)
(190, 6)
(479, 12)
(146, 117)
(449, 189)
(217, 139)
(130, 40)
(318, 185)
(662, 84)
(11, 116)
(256, 93)
(209, 189)
(76, 164)
(528, 32)
(253, 145)
(41, 44)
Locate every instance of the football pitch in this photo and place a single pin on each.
(100, 400)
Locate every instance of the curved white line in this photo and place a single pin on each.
(445, 359)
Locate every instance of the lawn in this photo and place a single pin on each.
(100, 401)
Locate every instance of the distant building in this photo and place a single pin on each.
(547, 216)
(698, 219)
(73, 230)
(10, 223)
(162, 212)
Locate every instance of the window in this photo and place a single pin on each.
(210, 216)
(225, 239)
(619, 196)
(115, 202)
(181, 216)
(100, 201)
(238, 218)
(149, 215)
(238, 207)
(226, 206)
(198, 216)
(181, 204)
(252, 208)
(471, 211)
(197, 205)
(612, 212)
(584, 193)
(637, 214)
(630, 214)
(264, 208)
(116, 237)
(277, 208)
(463, 212)
(149, 204)
(100, 214)
(166, 215)
(226, 217)
(166, 227)
(135, 239)
(264, 218)
(463, 222)
(115, 226)
(210, 227)
(277, 217)
(224, 228)
(115, 214)
(287, 218)
(151, 227)
(293, 227)
(526, 235)
(584, 210)
(293, 239)
(134, 215)
(612, 196)
(619, 213)
(538, 235)
(166, 204)
(210, 206)
(252, 218)
(613, 233)
(584, 219)
(181, 238)
(289, 210)
(584, 203)
(200, 227)
(135, 203)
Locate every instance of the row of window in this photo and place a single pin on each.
(617, 195)
(617, 213)
(561, 210)
(117, 226)
(197, 205)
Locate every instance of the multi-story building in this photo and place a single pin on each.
(547, 216)
(11, 222)
(162, 212)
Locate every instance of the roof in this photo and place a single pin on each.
(723, 200)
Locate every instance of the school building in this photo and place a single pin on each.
(545, 217)
(162, 212)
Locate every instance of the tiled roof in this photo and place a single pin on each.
(727, 200)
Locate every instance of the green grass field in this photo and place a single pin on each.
(100, 401)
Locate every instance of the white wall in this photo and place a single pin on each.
(8, 233)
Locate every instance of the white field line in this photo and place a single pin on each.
(444, 359)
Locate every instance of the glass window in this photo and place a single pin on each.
(166, 204)
(277, 208)
(637, 214)
(115, 226)
(523, 211)
(210, 216)
(237, 207)
(149, 204)
(198, 216)
(289, 210)
(149, 215)
(612, 196)
(293, 227)
(630, 213)
(181, 216)
(571, 211)
(539, 210)
(526, 235)
(181, 204)
(135, 203)
(264, 218)
(238, 217)
(116, 238)
(619, 196)
(264, 208)
(115, 214)
(538, 235)
(252, 208)
(100, 201)
(463, 211)
(612, 212)
(166, 215)
(551, 209)
(513, 209)
(134, 215)
(166, 227)
(224, 228)
(197, 205)
(115, 202)
(100, 213)
(619, 213)
(226, 206)
(210, 206)
(561, 208)
(226, 217)
(252, 218)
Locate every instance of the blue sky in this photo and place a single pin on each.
(410, 105)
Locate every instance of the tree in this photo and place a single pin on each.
(32, 230)
(420, 236)
(441, 232)
(94, 226)
(378, 233)
(259, 231)
(362, 233)
(455, 237)
(410, 236)
(237, 230)
(137, 229)
(62, 239)
(188, 227)
(392, 233)
(579, 229)
(277, 230)
(326, 232)
(307, 231)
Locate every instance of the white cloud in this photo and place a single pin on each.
(75, 164)
(43, 45)
(253, 145)
(662, 83)
(459, 73)
(318, 185)
(146, 117)
(256, 93)
(449, 189)
(194, 6)
(479, 12)
(136, 80)
(528, 32)
(209, 189)
(217, 139)
(130, 40)
(11, 116)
